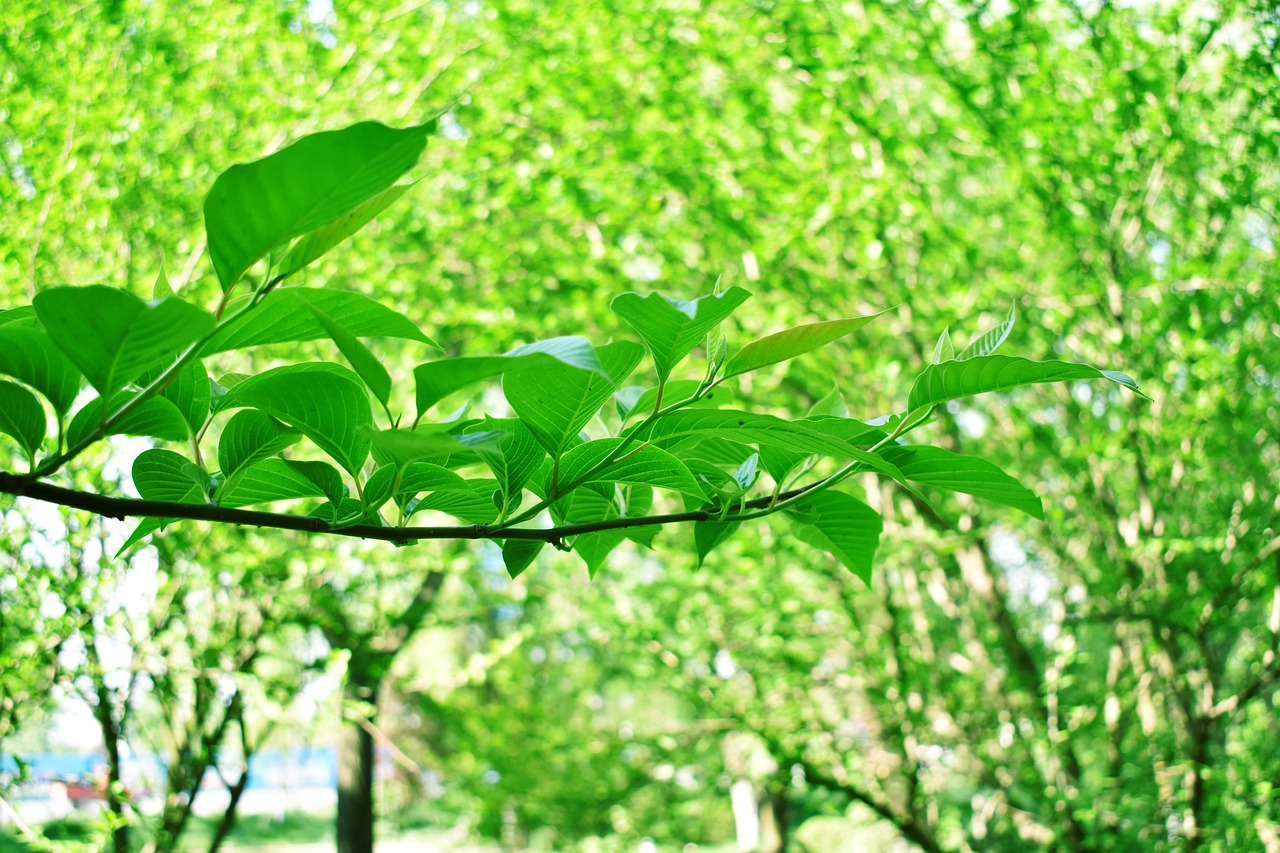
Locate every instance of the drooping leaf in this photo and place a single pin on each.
(556, 401)
(989, 341)
(971, 475)
(708, 534)
(315, 243)
(647, 466)
(519, 554)
(673, 327)
(250, 436)
(792, 342)
(365, 362)
(114, 337)
(154, 417)
(256, 207)
(145, 528)
(287, 315)
(326, 402)
(22, 417)
(594, 548)
(952, 380)
(843, 526)
(438, 379)
(162, 475)
(28, 354)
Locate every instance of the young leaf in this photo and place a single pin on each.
(790, 343)
(842, 525)
(519, 554)
(22, 417)
(28, 354)
(326, 402)
(556, 401)
(989, 341)
(365, 362)
(944, 350)
(286, 316)
(951, 380)
(438, 379)
(113, 336)
(256, 207)
(934, 466)
(673, 327)
(248, 437)
(648, 466)
(155, 417)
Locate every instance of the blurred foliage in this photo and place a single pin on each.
(1105, 680)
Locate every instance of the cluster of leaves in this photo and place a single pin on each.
(592, 448)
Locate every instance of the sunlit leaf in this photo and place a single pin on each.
(790, 343)
(952, 380)
(673, 327)
(843, 526)
(934, 466)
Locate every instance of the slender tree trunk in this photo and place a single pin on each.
(111, 741)
(228, 819)
(355, 768)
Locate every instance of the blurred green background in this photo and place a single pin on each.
(1103, 680)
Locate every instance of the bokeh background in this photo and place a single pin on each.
(1103, 680)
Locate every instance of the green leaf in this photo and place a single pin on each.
(951, 380)
(426, 477)
(286, 316)
(270, 480)
(556, 401)
(22, 314)
(154, 417)
(316, 243)
(647, 466)
(438, 379)
(248, 437)
(189, 391)
(516, 457)
(841, 525)
(673, 327)
(971, 475)
(474, 506)
(162, 475)
(989, 341)
(345, 512)
(113, 336)
(708, 534)
(365, 363)
(326, 402)
(944, 350)
(28, 354)
(594, 548)
(254, 208)
(22, 417)
(790, 343)
(404, 446)
(519, 554)
(145, 528)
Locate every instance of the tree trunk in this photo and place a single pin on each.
(355, 767)
(228, 820)
(111, 741)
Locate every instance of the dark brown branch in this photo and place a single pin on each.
(113, 507)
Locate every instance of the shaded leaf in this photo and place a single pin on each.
(162, 475)
(22, 417)
(28, 354)
(248, 437)
(270, 480)
(365, 363)
(154, 417)
(519, 554)
(647, 466)
(316, 243)
(708, 534)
